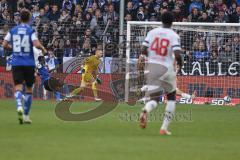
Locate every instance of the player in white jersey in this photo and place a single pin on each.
(162, 47)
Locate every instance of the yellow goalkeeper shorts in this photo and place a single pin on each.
(87, 78)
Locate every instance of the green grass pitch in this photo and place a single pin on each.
(204, 133)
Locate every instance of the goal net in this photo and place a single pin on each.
(211, 54)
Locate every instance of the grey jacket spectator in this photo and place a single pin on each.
(227, 55)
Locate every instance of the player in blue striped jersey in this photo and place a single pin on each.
(51, 84)
(21, 40)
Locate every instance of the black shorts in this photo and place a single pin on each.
(53, 84)
(23, 74)
(46, 85)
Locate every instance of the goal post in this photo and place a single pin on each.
(211, 58)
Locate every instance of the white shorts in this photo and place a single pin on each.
(160, 78)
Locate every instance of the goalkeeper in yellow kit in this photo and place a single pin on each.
(90, 74)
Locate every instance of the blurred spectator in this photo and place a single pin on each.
(129, 9)
(97, 24)
(68, 50)
(16, 18)
(128, 17)
(211, 10)
(65, 17)
(235, 17)
(204, 18)
(196, 4)
(194, 16)
(86, 49)
(90, 38)
(140, 14)
(45, 34)
(201, 54)
(227, 55)
(35, 11)
(222, 17)
(51, 60)
(47, 10)
(3, 5)
(232, 8)
(178, 14)
(67, 5)
(54, 14)
(214, 57)
(111, 13)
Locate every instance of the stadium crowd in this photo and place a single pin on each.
(73, 27)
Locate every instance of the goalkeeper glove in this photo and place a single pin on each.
(98, 80)
(82, 70)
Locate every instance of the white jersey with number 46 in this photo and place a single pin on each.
(161, 42)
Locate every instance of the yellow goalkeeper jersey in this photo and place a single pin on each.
(91, 64)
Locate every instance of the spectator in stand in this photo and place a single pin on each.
(4, 15)
(97, 23)
(67, 5)
(58, 52)
(129, 9)
(35, 11)
(43, 16)
(140, 14)
(214, 57)
(54, 15)
(47, 10)
(3, 5)
(227, 55)
(94, 7)
(221, 18)
(204, 18)
(196, 4)
(211, 10)
(178, 14)
(128, 17)
(86, 49)
(232, 9)
(236, 46)
(111, 14)
(194, 16)
(65, 17)
(45, 34)
(201, 54)
(235, 17)
(219, 4)
(16, 19)
(68, 50)
(88, 35)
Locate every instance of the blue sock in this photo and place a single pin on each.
(57, 95)
(18, 97)
(27, 103)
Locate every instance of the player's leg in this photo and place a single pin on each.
(185, 95)
(79, 89)
(169, 85)
(29, 81)
(44, 94)
(85, 80)
(152, 89)
(18, 79)
(94, 89)
(169, 113)
(57, 96)
(47, 87)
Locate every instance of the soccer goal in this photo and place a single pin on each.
(211, 54)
